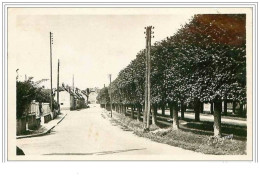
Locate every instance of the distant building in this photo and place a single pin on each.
(93, 95)
(64, 99)
(69, 99)
(85, 95)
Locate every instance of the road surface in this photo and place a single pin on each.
(86, 132)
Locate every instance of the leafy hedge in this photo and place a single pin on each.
(204, 60)
(26, 92)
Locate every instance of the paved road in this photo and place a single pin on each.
(86, 132)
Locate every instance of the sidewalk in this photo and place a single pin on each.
(46, 127)
(210, 118)
(228, 120)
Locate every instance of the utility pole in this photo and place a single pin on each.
(17, 74)
(148, 77)
(145, 92)
(74, 101)
(110, 76)
(51, 43)
(58, 87)
(73, 83)
(105, 99)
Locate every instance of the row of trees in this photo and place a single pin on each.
(205, 61)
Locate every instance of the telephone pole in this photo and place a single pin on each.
(51, 43)
(105, 99)
(58, 87)
(110, 76)
(148, 33)
(73, 83)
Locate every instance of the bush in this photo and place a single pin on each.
(26, 92)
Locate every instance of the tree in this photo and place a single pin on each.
(26, 92)
(205, 61)
(215, 44)
(103, 97)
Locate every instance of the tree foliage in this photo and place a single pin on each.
(26, 92)
(103, 96)
(205, 59)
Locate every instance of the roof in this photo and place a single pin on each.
(76, 94)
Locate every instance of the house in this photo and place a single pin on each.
(80, 100)
(93, 95)
(64, 99)
(69, 99)
(85, 94)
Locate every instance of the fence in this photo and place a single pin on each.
(20, 125)
(35, 109)
(33, 118)
(46, 108)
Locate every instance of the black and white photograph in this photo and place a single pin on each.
(130, 83)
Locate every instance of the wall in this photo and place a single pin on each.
(46, 108)
(35, 109)
(20, 125)
(31, 120)
(64, 100)
(93, 97)
(72, 103)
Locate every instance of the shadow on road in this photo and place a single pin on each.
(97, 153)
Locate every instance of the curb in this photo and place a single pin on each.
(41, 134)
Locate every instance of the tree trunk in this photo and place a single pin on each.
(138, 113)
(170, 105)
(124, 110)
(175, 119)
(182, 110)
(201, 107)
(217, 118)
(144, 115)
(132, 111)
(197, 109)
(225, 107)
(241, 109)
(234, 107)
(211, 107)
(163, 110)
(148, 120)
(154, 114)
(245, 110)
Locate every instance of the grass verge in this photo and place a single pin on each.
(183, 139)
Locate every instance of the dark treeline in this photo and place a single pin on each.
(204, 62)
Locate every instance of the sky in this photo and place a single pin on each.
(89, 46)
